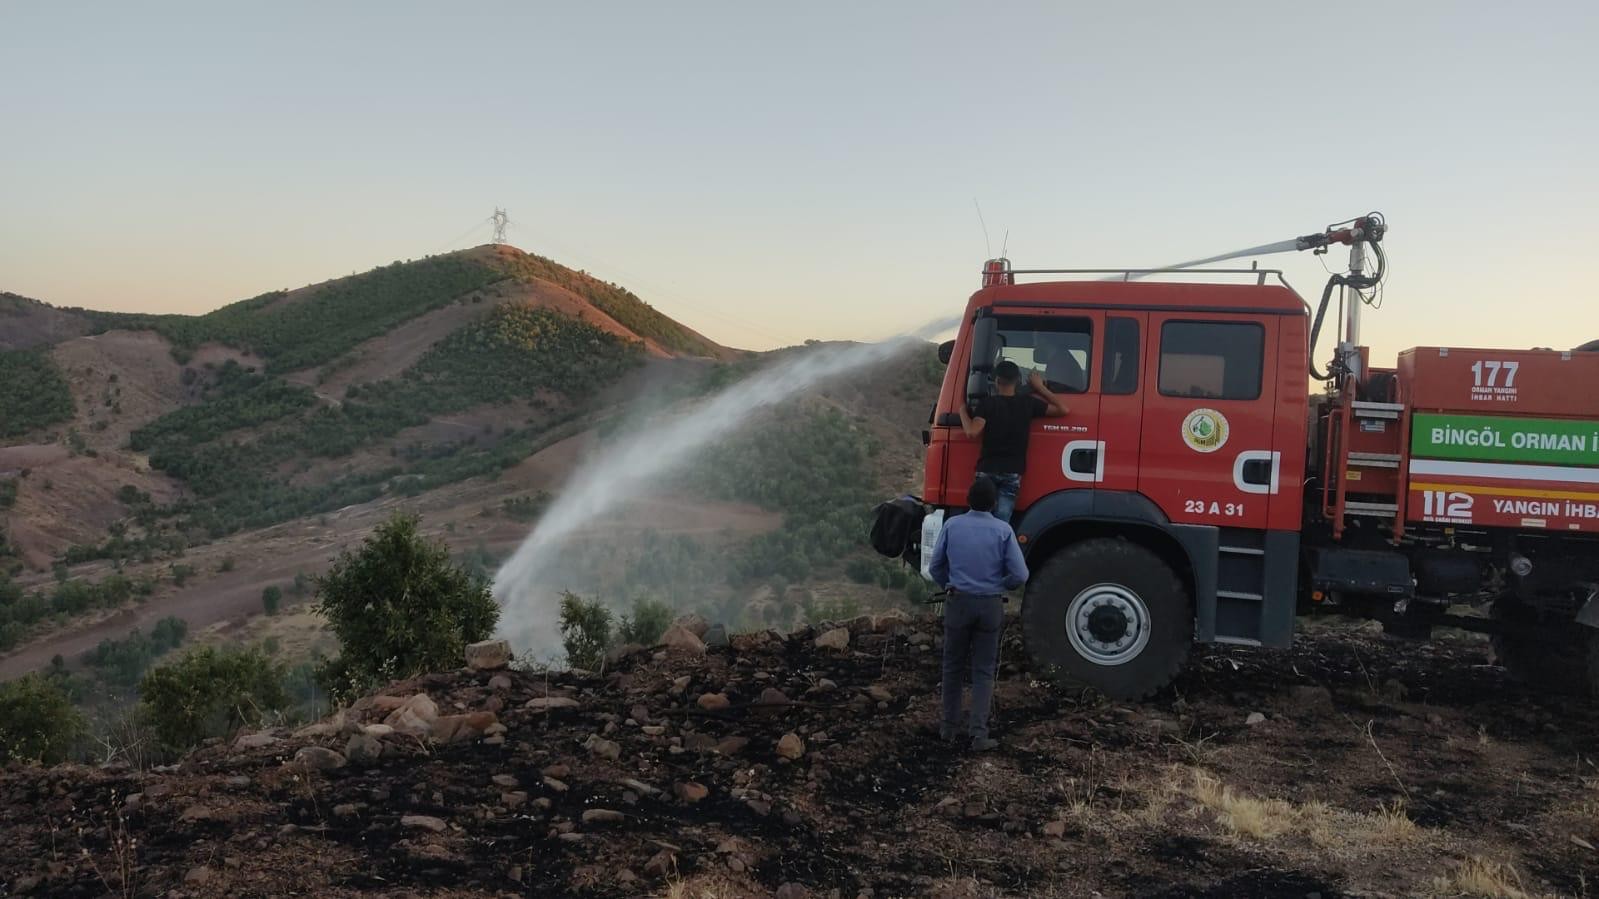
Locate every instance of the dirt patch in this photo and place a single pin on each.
(1081, 798)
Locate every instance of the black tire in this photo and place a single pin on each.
(1088, 579)
(1569, 668)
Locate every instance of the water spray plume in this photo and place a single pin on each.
(636, 465)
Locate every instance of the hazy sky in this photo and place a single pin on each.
(769, 173)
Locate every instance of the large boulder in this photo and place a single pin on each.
(414, 716)
(489, 655)
(680, 639)
(835, 639)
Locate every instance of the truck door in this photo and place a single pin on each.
(1062, 453)
(1207, 454)
(1121, 401)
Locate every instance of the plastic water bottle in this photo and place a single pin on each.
(932, 524)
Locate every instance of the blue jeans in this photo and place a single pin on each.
(971, 640)
(1009, 485)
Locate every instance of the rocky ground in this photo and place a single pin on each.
(1351, 765)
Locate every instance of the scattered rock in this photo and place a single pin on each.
(500, 682)
(414, 717)
(731, 745)
(505, 780)
(605, 749)
(199, 877)
(715, 636)
(879, 693)
(771, 696)
(920, 639)
(558, 786)
(652, 730)
(603, 816)
(363, 750)
(254, 741)
(661, 864)
(680, 639)
(691, 792)
(459, 728)
(1254, 719)
(640, 786)
(791, 747)
(713, 702)
(556, 771)
(377, 730)
(836, 639)
(640, 713)
(345, 810)
(489, 655)
(679, 684)
(513, 799)
(1056, 829)
(424, 822)
(316, 758)
(793, 891)
(618, 654)
(545, 703)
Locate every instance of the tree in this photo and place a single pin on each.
(648, 621)
(400, 608)
(37, 721)
(585, 630)
(210, 692)
(271, 598)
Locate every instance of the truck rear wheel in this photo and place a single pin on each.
(1569, 667)
(1108, 614)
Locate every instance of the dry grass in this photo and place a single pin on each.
(1241, 813)
(1478, 876)
(1326, 826)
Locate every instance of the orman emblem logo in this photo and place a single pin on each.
(1205, 430)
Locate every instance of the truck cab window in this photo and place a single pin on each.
(1120, 376)
(1059, 348)
(1211, 360)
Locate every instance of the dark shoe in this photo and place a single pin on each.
(984, 744)
(942, 732)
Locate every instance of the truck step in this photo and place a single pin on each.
(1364, 409)
(1238, 594)
(1241, 550)
(1381, 510)
(1374, 460)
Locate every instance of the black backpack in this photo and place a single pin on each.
(897, 528)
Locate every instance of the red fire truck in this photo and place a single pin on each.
(1198, 491)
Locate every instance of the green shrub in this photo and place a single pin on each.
(585, 631)
(400, 608)
(271, 598)
(38, 722)
(211, 692)
(35, 393)
(646, 623)
(861, 571)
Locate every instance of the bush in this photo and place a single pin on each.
(271, 598)
(645, 625)
(35, 394)
(585, 631)
(400, 608)
(37, 721)
(227, 564)
(210, 693)
(861, 571)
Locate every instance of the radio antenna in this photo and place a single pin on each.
(988, 244)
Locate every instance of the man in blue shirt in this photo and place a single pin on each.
(977, 557)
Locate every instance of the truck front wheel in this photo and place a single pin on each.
(1108, 614)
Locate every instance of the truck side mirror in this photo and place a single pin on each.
(945, 351)
(985, 346)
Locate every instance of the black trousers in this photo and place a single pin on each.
(972, 626)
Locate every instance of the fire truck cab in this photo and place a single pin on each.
(1165, 507)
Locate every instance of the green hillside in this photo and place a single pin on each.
(327, 323)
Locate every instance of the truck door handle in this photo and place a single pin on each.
(949, 420)
(1257, 471)
(1083, 461)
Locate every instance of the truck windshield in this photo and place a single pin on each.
(1059, 348)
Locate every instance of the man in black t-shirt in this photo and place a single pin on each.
(1002, 421)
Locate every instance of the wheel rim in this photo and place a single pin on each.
(1108, 624)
